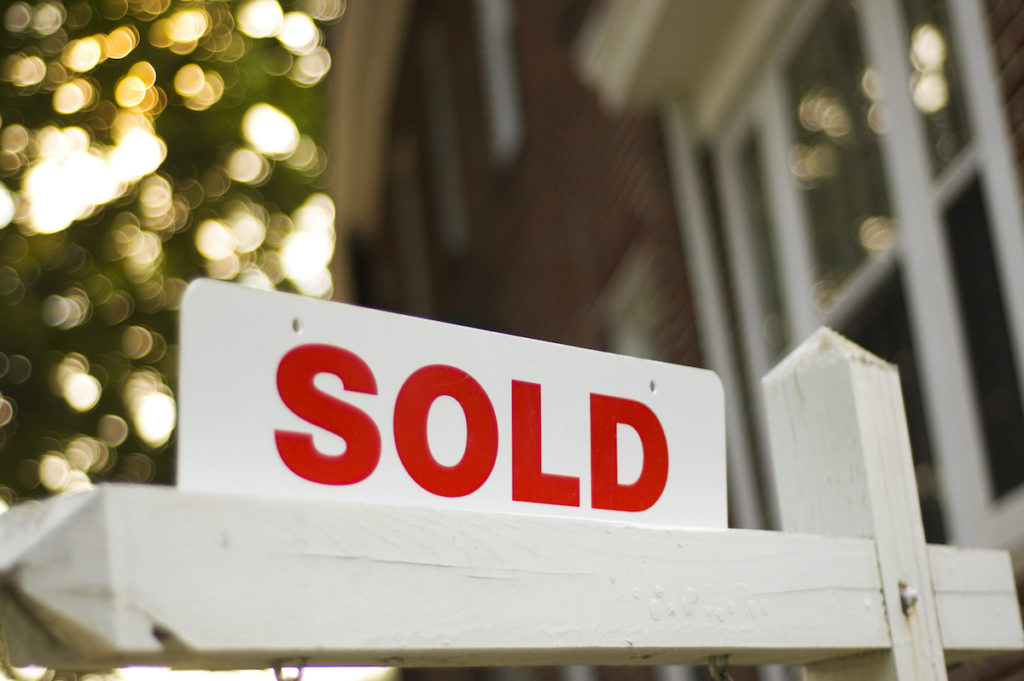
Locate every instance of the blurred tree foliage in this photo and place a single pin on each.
(142, 143)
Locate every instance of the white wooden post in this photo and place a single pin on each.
(843, 467)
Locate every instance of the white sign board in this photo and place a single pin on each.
(282, 395)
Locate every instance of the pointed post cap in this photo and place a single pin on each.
(824, 346)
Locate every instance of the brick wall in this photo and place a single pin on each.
(547, 233)
(1006, 23)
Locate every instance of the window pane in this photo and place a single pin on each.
(838, 115)
(762, 239)
(935, 81)
(992, 360)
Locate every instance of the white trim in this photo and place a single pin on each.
(790, 218)
(495, 32)
(929, 285)
(712, 306)
(749, 305)
(719, 117)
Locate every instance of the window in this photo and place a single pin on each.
(832, 99)
(865, 185)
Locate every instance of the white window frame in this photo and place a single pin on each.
(972, 515)
(495, 33)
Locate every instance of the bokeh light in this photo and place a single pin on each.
(151, 406)
(310, 69)
(25, 71)
(47, 18)
(143, 143)
(928, 83)
(73, 96)
(17, 17)
(299, 34)
(54, 472)
(261, 18)
(214, 240)
(76, 385)
(245, 165)
(307, 250)
(6, 206)
(84, 54)
(270, 131)
(121, 41)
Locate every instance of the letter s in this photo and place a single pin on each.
(295, 376)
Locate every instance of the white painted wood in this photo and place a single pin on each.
(712, 311)
(843, 466)
(374, 585)
(974, 580)
(149, 575)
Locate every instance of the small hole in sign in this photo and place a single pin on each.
(297, 325)
(654, 387)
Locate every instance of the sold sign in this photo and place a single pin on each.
(288, 396)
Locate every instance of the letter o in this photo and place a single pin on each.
(412, 407)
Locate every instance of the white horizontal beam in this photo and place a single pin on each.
(147, 575)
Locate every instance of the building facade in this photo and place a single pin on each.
(707, 183)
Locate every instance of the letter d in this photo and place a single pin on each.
(606, 413)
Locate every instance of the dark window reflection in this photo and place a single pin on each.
(836, 103)
(992, 362)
